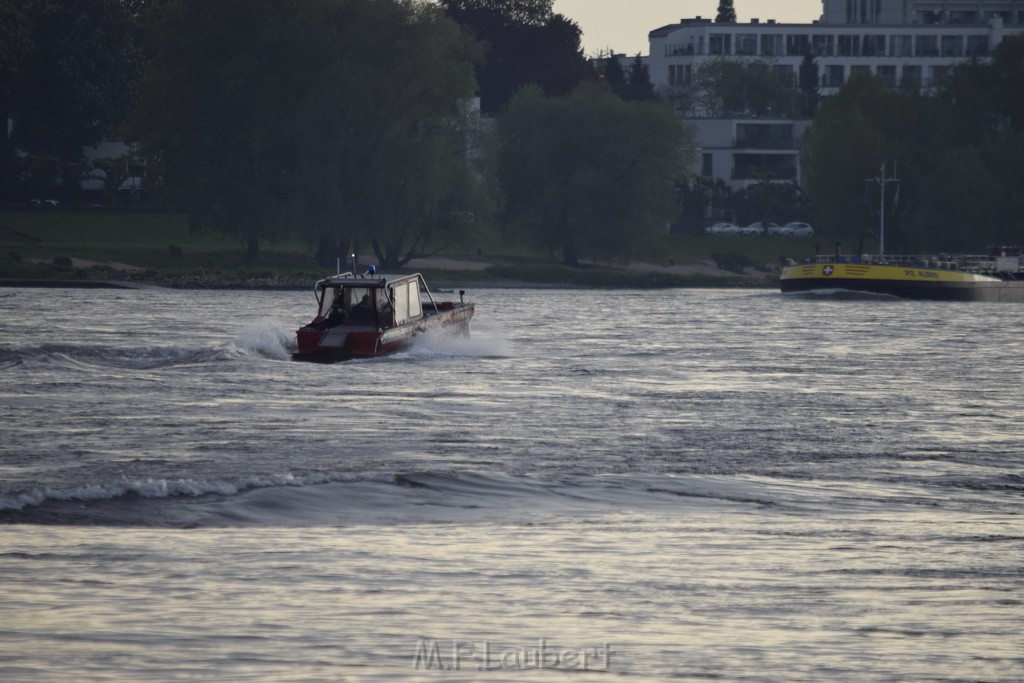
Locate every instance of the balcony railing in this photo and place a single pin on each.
(758, 172)
(755, 143)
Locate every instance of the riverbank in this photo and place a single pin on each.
(67, 249)
(440, 273)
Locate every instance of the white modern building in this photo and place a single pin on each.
(908, 43)
(742, 150)
(921, 11)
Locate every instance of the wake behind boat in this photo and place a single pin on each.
(997, 276)
(374, 314)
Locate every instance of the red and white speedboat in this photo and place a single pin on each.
(373, 314)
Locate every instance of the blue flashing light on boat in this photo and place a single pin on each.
(371, 269)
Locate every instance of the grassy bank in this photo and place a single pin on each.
(160, 248)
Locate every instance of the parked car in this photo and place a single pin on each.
(796, 229)
(722, 230)
(755, 229)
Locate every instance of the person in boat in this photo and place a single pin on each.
(337, 314)
(363, 311)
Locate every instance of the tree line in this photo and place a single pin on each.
(349, 122)
(958, 153)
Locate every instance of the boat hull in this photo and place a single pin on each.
(345, 341)
(908, 282)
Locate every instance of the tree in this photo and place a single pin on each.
(958, 193)
(216, 102)
(339, 115)
(853, 133)
(809, 83)
(525, 43)
(66, 70)
(15, 44)
(697, 197)
(726, 12)
(1007, 65)
(633, 85)
(639, 85)
(612, 72)
(590, 174)
(390, 162)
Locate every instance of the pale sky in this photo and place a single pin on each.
(623, 25)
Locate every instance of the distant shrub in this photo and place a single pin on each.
(14, 255)
(174, 250)
(733, 262)
(62, 261)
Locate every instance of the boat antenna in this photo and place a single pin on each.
(337, 265)
(882, 182)
(354, 269)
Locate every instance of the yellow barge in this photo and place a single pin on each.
(997, 277)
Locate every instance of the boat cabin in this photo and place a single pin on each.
(371, 299)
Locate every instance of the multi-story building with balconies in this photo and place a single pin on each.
(921, 11)
(908, 43)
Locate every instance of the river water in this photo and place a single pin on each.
(688, 484)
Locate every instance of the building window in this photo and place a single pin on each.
(901, 46)
(720, 44)
(888, 74)
(836, 75)
(849, 46)
(912, 77)
(797, 45)
(963, 17)
(785, 73)
(977, 46)
(824, 46)
(873, 46)
(859, 69)
(771, 45)
(927, 46)
(679, 75)
(765, 135)
(707, 166)
(938, 75)
(952, 46)
(746, 44)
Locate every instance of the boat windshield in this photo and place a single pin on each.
(350, 296)
(406, 296)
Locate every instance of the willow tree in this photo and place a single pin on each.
(215, 109)
(343, 118)
(589, 175)
(386, 129)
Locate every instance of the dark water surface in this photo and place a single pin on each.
(723, 484)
